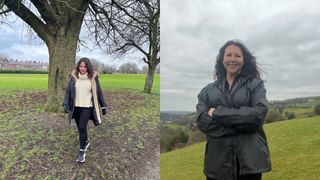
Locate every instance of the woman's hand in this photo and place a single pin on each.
(211, 110)
(66, 108)
(104, 110)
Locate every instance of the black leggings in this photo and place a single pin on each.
(82, 115)
(245, 177)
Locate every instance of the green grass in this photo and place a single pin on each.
(294, 147)
(23, 81)
(174, 125)
(299, 112)
(134, 81)
(185, 163)
(107, 81)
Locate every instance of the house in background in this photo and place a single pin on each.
(15, 64)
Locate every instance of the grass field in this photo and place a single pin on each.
(38, 145)
(294, 147)
(107, 81)
(174, 125)
(299, 112)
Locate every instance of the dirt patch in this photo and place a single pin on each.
(20, 100)
(148, 166)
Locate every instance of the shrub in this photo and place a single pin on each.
(291, 115)
(196, 136)
(281, 109)
(172, 138)
(273, 115)
(183, 136)
(317, 109)
(309, 114)
(23, 71)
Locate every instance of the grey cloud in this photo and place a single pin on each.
(15, 44)
(283, 36)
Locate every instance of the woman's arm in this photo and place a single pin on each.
(246, 118)
(66, 101)
(205, 122)
(100, 95)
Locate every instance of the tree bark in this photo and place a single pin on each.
(62, 55)
(149, 79)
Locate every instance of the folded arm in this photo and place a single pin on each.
(207, 125)
(246, 118)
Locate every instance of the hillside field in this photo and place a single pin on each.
(294, 147)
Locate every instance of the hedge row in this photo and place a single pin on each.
(23, 71)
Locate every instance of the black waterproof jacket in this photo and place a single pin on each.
(235, 137)
(97, 98)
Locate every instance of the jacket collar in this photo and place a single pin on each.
(95, 74)
(220, 83)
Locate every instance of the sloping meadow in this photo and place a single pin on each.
(294, 148)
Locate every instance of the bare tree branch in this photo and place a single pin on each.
(126, 20)
(69, 6)
(46, 12)
(29, 17)
(120, 26)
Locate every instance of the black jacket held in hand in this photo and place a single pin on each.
(97, 98)
(235, 137)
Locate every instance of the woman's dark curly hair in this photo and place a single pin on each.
(249, 67)
(89, 67)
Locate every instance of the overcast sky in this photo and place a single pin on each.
(15, 43)
(283, 35)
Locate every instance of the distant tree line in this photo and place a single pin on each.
(302, 102)
(126, 68)
(277, 114)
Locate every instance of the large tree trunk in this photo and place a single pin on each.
(62, 49)
(62, 55)
(149, 78)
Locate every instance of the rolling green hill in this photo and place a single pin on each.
(294, 147)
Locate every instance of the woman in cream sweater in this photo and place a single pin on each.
(83, 101)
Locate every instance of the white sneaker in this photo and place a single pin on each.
(82, 156)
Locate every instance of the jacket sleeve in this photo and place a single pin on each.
(100, 94)
(247, 119)
(206, 124)
(67, 94)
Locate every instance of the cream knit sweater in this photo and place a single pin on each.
(83, 91)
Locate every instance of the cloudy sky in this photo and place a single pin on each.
(17, 44)
(283, 35)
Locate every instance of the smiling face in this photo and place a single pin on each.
(82, 68)
(233, 60)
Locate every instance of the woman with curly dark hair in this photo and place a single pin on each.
(83, 100)
(230, 112)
